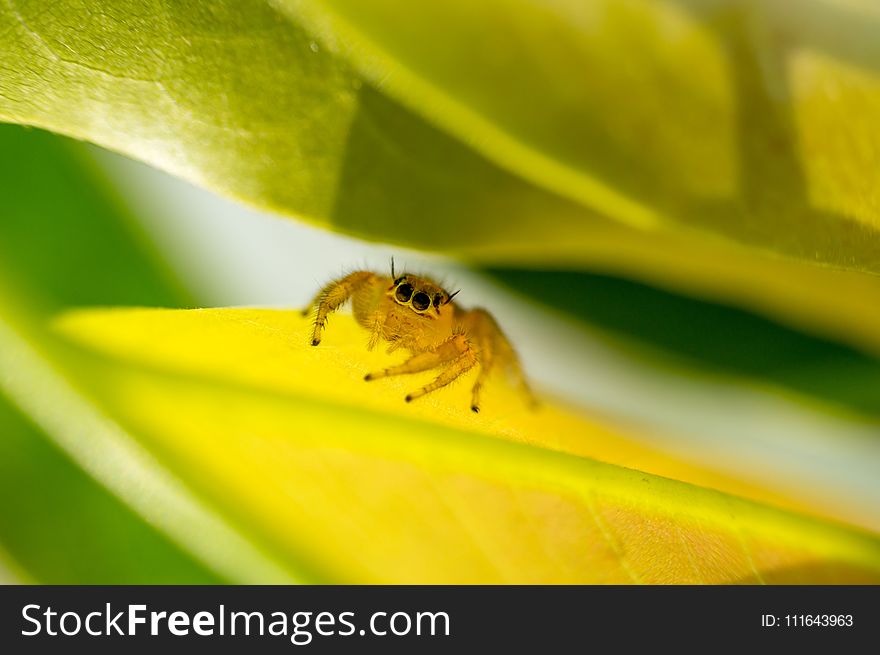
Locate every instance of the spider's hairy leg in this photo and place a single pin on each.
(484, 331)
(334, 295)
(494, 348)
(443, 353)
(456, 353)
(458, 367)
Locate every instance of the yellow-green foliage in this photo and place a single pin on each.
(719, 147)
(346, 482)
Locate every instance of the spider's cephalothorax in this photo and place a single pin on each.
(417, 314)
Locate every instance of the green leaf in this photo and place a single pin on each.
(63, 241)
(688, 114)
(345, 482)
(65, 238)
(65, 528)
(259, 107)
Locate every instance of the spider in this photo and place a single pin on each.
(415, 313)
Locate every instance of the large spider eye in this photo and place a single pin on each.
(421, 301)
(437, 299)
(404, 292)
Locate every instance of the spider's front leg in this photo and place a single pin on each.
(334, 295)
(456, 354)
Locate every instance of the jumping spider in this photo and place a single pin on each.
(417, 314)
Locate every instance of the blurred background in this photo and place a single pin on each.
(715, 385)
(671, 207)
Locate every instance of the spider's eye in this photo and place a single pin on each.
(404, 292)
(437, 299)
(421, 301)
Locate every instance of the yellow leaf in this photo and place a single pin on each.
(345, 482)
